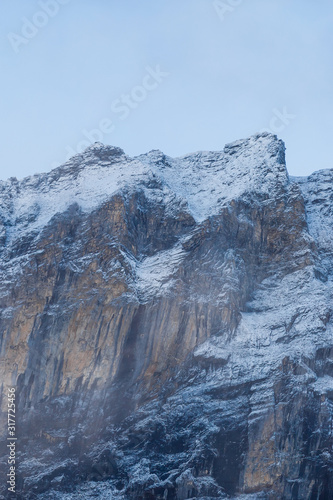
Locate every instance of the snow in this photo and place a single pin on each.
(277, 327)
(317, 190)
(286, 316)
(209, 180)
(205, 181)
(154, 274)
(37, 199)
(323, 384)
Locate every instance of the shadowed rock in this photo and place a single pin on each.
(167, 325)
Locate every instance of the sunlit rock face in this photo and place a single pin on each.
(167, 325)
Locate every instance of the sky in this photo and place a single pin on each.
(175, 75)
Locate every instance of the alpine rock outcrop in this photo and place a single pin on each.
(167, 325)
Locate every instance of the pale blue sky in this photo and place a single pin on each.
(231, 73)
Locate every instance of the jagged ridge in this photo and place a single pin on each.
(168, 325)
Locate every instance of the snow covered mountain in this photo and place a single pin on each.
(167, 324)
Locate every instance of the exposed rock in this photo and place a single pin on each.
(167, 324)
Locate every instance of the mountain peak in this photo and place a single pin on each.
(205, 181)
(98, 148)
(168, 325)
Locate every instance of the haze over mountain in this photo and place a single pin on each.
(167, 324)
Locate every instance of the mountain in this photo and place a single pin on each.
(167, 325)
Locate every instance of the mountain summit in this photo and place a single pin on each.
(166, 323)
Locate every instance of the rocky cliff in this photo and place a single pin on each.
(167, 326)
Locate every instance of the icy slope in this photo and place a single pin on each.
(205, 181)
(168, 325)
(209, 180)
(317, 190)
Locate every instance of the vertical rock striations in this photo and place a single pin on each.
(167, 324)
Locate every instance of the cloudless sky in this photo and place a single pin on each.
(229, 71)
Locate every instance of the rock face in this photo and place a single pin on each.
(167, 326)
